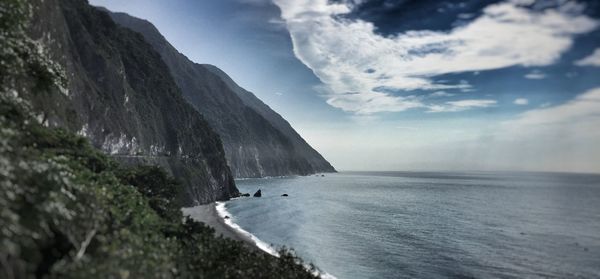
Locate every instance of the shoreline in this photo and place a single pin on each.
(210, 216)
(213, 215)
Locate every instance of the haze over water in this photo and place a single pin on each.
(432, 225)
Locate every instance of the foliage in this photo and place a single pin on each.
(69, 211)
(160, 189)
(125, 100)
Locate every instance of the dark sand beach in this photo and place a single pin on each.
(208, 215)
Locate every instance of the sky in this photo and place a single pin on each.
(409, 85)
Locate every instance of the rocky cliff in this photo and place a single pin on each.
(258, 142)
(122, 97)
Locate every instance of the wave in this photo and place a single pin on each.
(222, 212)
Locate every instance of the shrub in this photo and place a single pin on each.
(69, 211)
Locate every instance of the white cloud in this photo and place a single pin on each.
(462, 105)
(372, 102)
(554, 137)
(352, 60)
(535, 74)
(440, 94)
(585, 108)
(560, 138)
(591, 60)
(278, 23)
(521, 101)
(571, 74)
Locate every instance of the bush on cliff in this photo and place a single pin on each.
(69, 211)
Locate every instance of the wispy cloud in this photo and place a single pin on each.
(562, 137)
(521, 101)
(462, 105)
(535, 74)
(441, 94)
(354, 61)
(591, 60)
(584, 110)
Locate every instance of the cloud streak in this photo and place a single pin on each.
(591, 60)
(560, 138)
(583, 111)
(535, 74)
(462, 105)
(521, 101)
(355, 62)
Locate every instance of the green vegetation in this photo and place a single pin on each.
(69, 211)
(122, 96)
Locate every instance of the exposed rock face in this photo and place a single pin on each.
(258, 142)
(122, 96)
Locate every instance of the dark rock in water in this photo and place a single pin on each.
(284, 195)
(226, 217)
(322, 175)
(245, 195)
(258, 194)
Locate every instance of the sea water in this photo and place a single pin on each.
(431, 225)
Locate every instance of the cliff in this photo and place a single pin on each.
(258, 142)
(68, 209)
(121, 96)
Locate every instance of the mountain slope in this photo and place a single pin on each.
(70, 211)
(123, 98)
(258, 142)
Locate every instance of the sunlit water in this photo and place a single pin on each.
(431, 225)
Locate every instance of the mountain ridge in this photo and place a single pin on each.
(258, 142)
(121, 96)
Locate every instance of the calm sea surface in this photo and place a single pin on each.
(431, 225)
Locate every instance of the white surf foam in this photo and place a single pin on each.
(222, 211)
(326, 276)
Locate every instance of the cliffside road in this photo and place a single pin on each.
(122, 97)
(257, 141)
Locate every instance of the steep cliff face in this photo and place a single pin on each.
(258, 142)
(123, 98)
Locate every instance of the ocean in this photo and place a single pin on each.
(430, 224)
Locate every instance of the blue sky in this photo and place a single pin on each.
(410, 85)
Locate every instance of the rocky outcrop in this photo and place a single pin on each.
(258, 142)
(258, 194)
(122, 97)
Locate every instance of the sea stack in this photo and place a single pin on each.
(258, 194)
